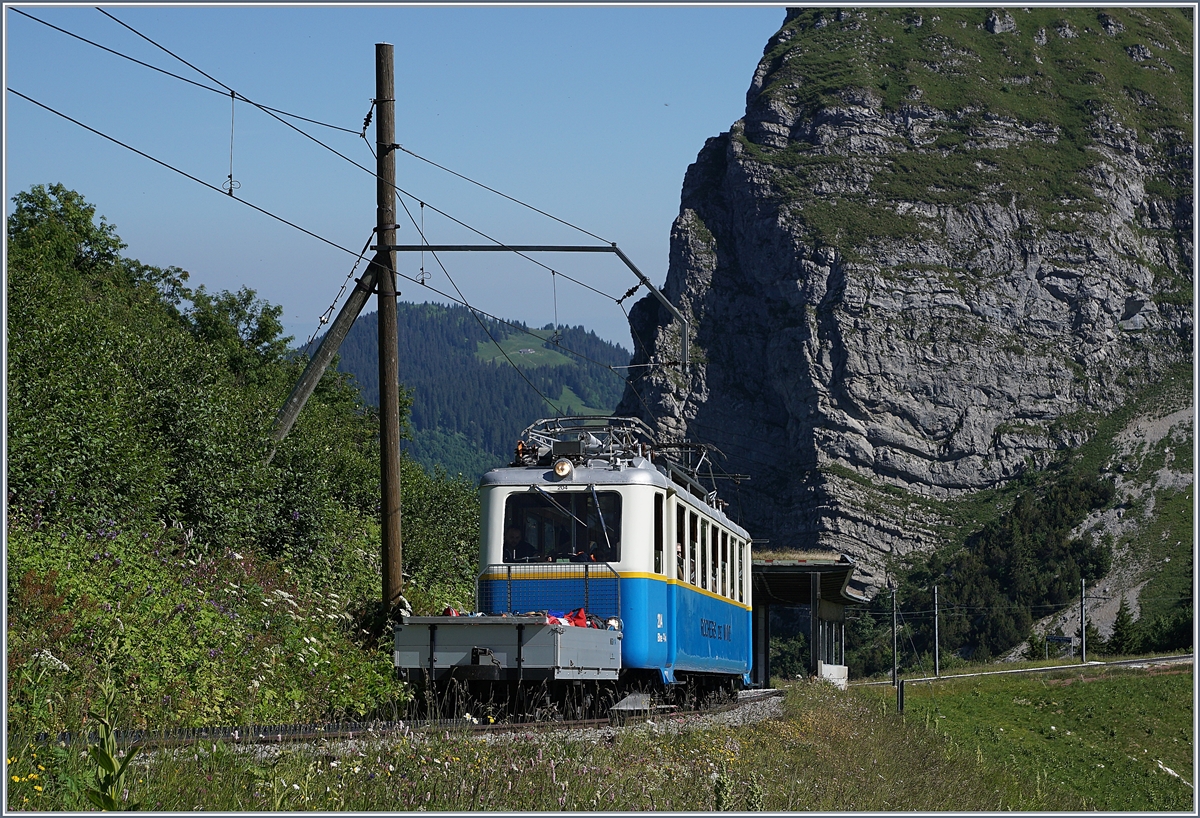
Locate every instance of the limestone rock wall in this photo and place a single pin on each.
(867, 337)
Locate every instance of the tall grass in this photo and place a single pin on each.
(829, 751)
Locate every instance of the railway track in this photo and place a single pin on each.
(281, 734)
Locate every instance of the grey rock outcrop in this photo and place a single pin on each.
(888, 309)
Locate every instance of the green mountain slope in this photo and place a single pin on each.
(469, 403)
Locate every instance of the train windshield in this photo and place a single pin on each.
(542, 526)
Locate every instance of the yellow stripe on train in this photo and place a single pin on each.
(502, 576)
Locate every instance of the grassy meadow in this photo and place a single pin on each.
(1104, 734)
(1084, 740)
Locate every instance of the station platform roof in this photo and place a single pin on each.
(785, 579)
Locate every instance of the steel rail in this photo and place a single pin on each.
(280, 734)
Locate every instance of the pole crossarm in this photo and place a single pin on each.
(557, 248)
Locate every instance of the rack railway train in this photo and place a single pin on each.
(607, 571)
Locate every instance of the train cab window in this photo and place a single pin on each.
(693, 540)
(680, 527)
(659, 522)
(565, 527)
(724, 563)
(704, 554)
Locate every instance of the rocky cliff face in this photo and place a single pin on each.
(938, 244)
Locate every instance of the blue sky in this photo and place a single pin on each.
(589, 113)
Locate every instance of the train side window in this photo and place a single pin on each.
(659, 521)
(693, 540)
(712, 561)
(704, 554)
(735, 567)
(741, 567)
(725, 563)
(680, 527)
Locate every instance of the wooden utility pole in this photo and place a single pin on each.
(384, 267)
(1083, 621)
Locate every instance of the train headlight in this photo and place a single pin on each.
(563, 467)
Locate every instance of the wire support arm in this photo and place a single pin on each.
(561, 248)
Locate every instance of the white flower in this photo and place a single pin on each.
(51, 662)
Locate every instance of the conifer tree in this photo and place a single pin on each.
(1125, 638)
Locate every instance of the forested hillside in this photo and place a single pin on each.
(148, 541)
(468, 403)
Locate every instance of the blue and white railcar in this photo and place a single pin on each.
(592, 515)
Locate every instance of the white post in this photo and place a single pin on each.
(937, 669)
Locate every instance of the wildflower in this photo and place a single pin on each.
(37, 787)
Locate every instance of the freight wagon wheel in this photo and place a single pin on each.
(689, 694)
(541, 704)
(579, 700)
(606, 696)
(488, 701)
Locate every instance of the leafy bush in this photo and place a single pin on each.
(140, 502)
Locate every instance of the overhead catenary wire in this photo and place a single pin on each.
(353, 162)
(487, 331)
(273, 112)
(198, 180)
(504, 195)
(291, 224)
(116, 53)
(399, 191)
(266, 108)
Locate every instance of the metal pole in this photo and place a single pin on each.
(1083, 621)
(815, 644)
(384, 265)
(937, 668)
(895, 673)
